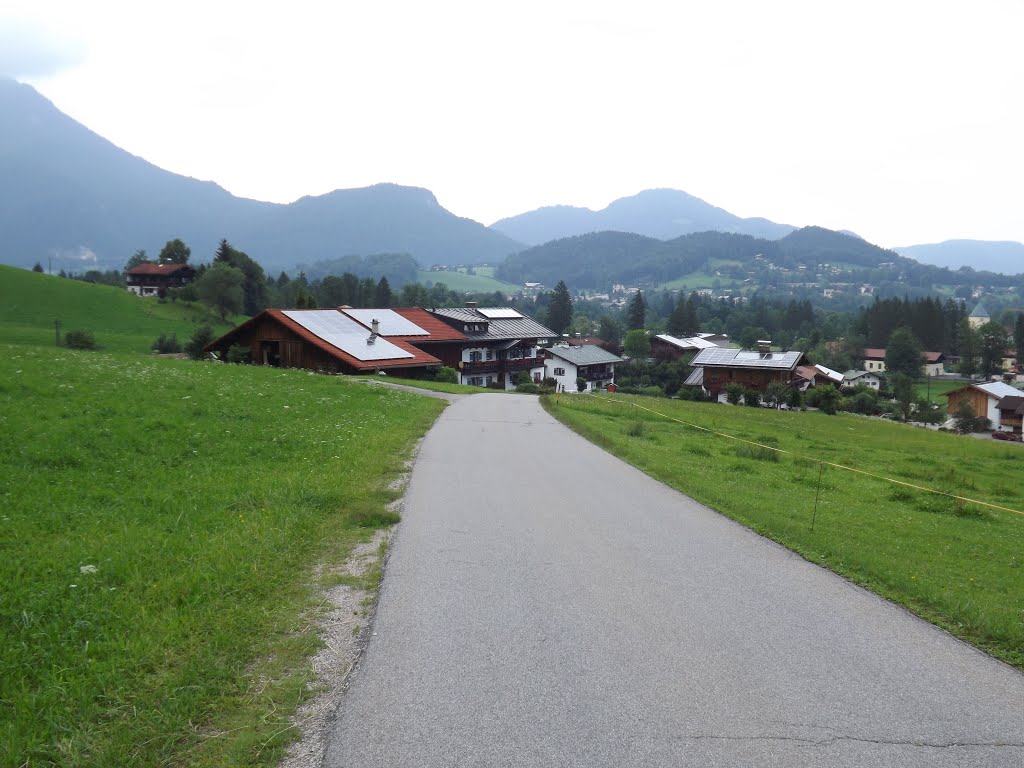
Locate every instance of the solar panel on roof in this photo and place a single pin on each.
(346, 334)
(391, 323)
(499, 313)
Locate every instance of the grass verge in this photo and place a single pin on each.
(954, 563)
(161, 522)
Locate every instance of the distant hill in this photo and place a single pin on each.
(663, 214)
(70, 195)
(1005, 256)
(30, 302)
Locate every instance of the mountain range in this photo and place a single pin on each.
(72, 200)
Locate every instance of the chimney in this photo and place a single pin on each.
(471, 305)
(374, 331)
(764, 346)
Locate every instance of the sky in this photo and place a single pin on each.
(900, 121)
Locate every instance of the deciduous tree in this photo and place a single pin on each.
(174, 252)
(903, 353)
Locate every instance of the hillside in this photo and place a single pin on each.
(30, 302)
(1006, 257)
(71, 198)
(659, 213)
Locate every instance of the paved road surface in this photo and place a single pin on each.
(547, 605)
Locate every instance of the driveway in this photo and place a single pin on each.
(546, 604)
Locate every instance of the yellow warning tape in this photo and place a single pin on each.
(808, 458)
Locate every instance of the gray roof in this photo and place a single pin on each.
(742, 358)
(979, 311)
(851, 375)
(588, 354)
(520, 327)
(695, 379)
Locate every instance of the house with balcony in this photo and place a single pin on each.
(500, 343)
(714, 369)
(1011, 413)
(984, 399)
(152, 279)
(566, 363)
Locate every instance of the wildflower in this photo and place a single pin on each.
(72, 586)
(88, 569)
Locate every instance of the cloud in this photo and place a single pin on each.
(28, 50)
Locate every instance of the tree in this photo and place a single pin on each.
(37, 267)
(637, 345)
(610, 330)
(903, 354)
(964, 419)
(1018, 339)
(903, 391)
(636, 312)
(560, 309)
(254, 286)
(382, 297)
(993, 341)
(174, 252)
(139, 257)
(776, 393)
(734, 393)
(202, 336)
(968, 344)
(222, 287)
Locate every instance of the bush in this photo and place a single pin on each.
(795, 399)
(238, 354)
(495, 385)
(80, 340)
(202, 337)
(550, 381)
(581, 384)
(166, 345)
(447, 374)
(524, 378)
(733, 393)
(528, 387)
(652, 391)
(751, 397)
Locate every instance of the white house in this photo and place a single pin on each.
(565, 364)
(867, 378)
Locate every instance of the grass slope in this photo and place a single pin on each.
(957, 564)
(482, 282)
(161, 523)
(31, 301)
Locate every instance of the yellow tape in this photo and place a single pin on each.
(808, 458)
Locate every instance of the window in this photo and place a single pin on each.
(559, 371)
(490, 354)
(475, 357)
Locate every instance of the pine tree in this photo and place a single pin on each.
(636, 312)
(560, 309)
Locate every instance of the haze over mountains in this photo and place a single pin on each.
(70, 198)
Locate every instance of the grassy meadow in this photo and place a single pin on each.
(30, 302)
(482, 282)
(958, 564)
(162, 523)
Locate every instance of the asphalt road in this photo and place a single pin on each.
(545, 604)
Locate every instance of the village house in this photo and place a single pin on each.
(667, 347)
(565, 364)
(932, 364)
(867, 378)
(335, 341)
(715, 368)
(151, 279)
(984, 399)
(817, 375)
(500, 344)
(1011, 413)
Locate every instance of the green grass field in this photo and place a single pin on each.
(695, 280)
(936, 388)
(958, 564)
(482, 282)
(162, 521)
(30, 302)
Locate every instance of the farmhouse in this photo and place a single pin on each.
(500, 343)
(815, 375)
(666, 347)
(718, 367)
(1011, 413)
(155, 279)
(334, 341)
(983, 398)
(567, 363)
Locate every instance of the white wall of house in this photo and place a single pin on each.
(933, 369)
(869, 380)
(991, 412)
(563, 372)
(876, 366)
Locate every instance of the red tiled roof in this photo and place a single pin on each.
(437, 328)
(872, 353)
(156, 269)
(934, 357)
(808, 372)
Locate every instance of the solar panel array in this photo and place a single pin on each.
(346, 334)
(499, 313)
(723, 356)
(391, 323)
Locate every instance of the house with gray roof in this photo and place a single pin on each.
(717, 367)
(500, 343)
(978, 316)
(565, 364)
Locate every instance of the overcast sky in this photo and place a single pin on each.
(902, 121)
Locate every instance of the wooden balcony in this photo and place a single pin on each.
(510, 364)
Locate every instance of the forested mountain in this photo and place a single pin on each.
(69, 195)
(659, 213)
(993, 256)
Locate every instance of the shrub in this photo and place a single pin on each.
(795, 399)
(495, 385)
(550, 381)
(202, 337)
(751, 397)
(238, 354)
(447, 374)
(652, 391)
(166, 345)
(581, 384)
(528, 387)
(524, 378)
(79, 339)
(733, 393)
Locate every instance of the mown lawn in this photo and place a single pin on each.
(30, 302)
(160, 526)
(956, 563)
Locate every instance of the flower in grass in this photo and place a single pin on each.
(88, 569)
